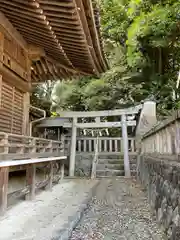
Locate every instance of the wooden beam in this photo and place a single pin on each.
(67, 30)
(14, 79)
(91, 18)
(49, 59)
(95, 125)
(22, 6)
(49, 7)
(31, 17)
(116, 112)
(55, 15)
(27, 3)
(42, 26)
(88, 34)
(35, 53)
(22, 12)
(80, 18)
(66, 4)
(66, 26)
(31, 161)
(8, 27)
(104, 124)
(73, 70)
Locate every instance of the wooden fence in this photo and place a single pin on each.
(106, 145)
(164, 137)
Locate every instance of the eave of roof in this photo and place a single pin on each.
(55, 122)
(66, 30)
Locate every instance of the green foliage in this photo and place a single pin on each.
(41, 96)
(54, 114)
(150, 30)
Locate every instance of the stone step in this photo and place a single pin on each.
(110, 166)
(114, 161)
(114, 166)
(116, 155)
(109, 172)
(110, 161)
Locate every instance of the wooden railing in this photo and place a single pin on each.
(32, 185)
(164, 137)
(106, 144)
(14, 146)
(30, 154)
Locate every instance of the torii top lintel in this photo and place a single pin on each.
(116, 112)
(63, 36)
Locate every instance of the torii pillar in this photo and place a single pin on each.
(73, 148)
(125, 146)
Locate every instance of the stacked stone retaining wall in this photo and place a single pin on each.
(161, 177)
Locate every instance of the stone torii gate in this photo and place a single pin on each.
(123, 122)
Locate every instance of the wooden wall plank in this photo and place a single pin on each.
(12, 109)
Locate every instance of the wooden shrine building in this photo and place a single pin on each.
(44, 40)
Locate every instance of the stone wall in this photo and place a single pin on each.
(162, 181)
(83, 164)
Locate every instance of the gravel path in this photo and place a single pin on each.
(119, 211)
(51, 216)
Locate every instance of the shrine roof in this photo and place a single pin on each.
(67, 32)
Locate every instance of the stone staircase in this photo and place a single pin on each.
(113, 165)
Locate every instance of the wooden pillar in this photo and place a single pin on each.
(62, 139)
(31, 181)
(0, 88)
(4, 175)
(62, 171)
(25, 127)
(1, 47)
(73, 148)
(50, 178)
(125, 146)
(59, 135)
